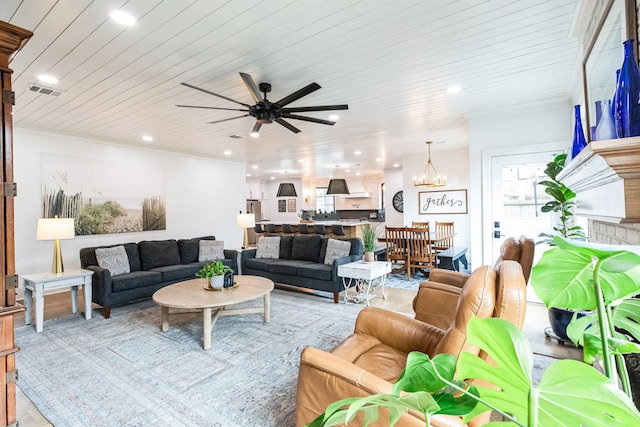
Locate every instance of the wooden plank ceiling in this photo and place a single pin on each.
(391, 61)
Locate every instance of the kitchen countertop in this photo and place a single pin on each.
(346, 223)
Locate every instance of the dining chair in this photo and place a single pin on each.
(415, 224)
(420, 256)
(443, 229)
(396, 238)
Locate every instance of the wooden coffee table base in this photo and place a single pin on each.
(210, 316)
(190, 297)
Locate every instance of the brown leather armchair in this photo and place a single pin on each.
(438, 304)
(371, 359)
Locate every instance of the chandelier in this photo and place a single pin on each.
(430, 177)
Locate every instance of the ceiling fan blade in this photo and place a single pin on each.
(226, 120)
(256, 127)
(211, 108)
(308, 119)
(214, 94)
(318, 108)
(289, 126)
(251, 85)
(312, 87)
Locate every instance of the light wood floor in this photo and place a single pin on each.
(400, 300)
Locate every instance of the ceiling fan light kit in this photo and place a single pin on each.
(430, 176)
(265, 111)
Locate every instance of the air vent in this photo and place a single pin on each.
(44, 90)
(236, 136)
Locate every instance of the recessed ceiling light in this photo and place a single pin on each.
(273, 177)
(306, 174)
(347, 170)
(227, 153)
(254, 167)
(454, 89)
(254, 134)
(45, 78)
(358, 173)
(122, 17)
(147, 138)
(248, 175)
(395, 165)
(334, 117)
(378, 159)
(357, 152)
(300, 161)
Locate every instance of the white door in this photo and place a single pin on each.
(516, 199)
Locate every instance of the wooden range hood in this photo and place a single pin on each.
(606, 178)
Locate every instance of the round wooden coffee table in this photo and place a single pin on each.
(191, 295)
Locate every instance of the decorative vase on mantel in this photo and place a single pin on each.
(627, 95)
(579, 141)
(606, 127)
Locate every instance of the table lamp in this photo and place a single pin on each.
(56, 229)
(246, 221)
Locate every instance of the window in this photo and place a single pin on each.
(325, 203)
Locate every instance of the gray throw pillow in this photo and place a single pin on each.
(113, 259)
(268, 247)
(336, 249)
(211, 250)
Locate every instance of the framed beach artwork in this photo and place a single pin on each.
(103, 196)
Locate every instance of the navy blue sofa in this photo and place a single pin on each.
(154, 264)
(301, 263)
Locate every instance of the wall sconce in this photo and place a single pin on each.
(56, 229)
(306, 194)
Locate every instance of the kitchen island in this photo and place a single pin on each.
(351, 228)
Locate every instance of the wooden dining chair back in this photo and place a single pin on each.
(396, 238)
(443, 229)
(420, 255)
(415, 224)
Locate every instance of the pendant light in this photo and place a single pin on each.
(286, 189)
(337, 185)
(430, 177)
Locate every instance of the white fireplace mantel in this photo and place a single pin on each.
(606, 178)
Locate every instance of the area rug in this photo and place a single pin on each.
(124, 371)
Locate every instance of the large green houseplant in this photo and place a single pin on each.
(603, 278)
(570, 393)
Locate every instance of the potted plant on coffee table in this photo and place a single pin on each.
(562, 204)
(369, 239)
(215, 272)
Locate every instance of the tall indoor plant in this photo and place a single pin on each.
(562, 205)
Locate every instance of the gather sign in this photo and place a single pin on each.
(442, 202)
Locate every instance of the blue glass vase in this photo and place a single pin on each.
(579, 142)
(606, 128)
(627, 95)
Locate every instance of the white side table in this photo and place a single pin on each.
(36, 284)
(360, 279)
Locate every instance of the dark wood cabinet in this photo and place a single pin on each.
(11, 40)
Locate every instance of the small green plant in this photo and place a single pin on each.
(570, 393)
(369, 237)
(562, 203)
(216, 268)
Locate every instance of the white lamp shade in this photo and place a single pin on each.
(55, 228)
(246, 220)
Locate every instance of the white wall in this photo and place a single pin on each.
(452, 164)
(392, 184)
(202, 197)
(552, 124)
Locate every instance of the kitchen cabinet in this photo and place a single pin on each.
(255, 189)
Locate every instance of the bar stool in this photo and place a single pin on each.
(286, 229)
(337, 230)
(303, 229)
(319, 229)
(271, 229)
(258, 229)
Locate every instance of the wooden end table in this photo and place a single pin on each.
(191, 295)
(36, 284)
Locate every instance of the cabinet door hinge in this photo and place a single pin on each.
(8, 97)
(12, 376)
(10, 189)
(11, 282)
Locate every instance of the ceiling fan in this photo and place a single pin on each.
(266, 111)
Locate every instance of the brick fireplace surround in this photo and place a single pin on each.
(614, 234)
